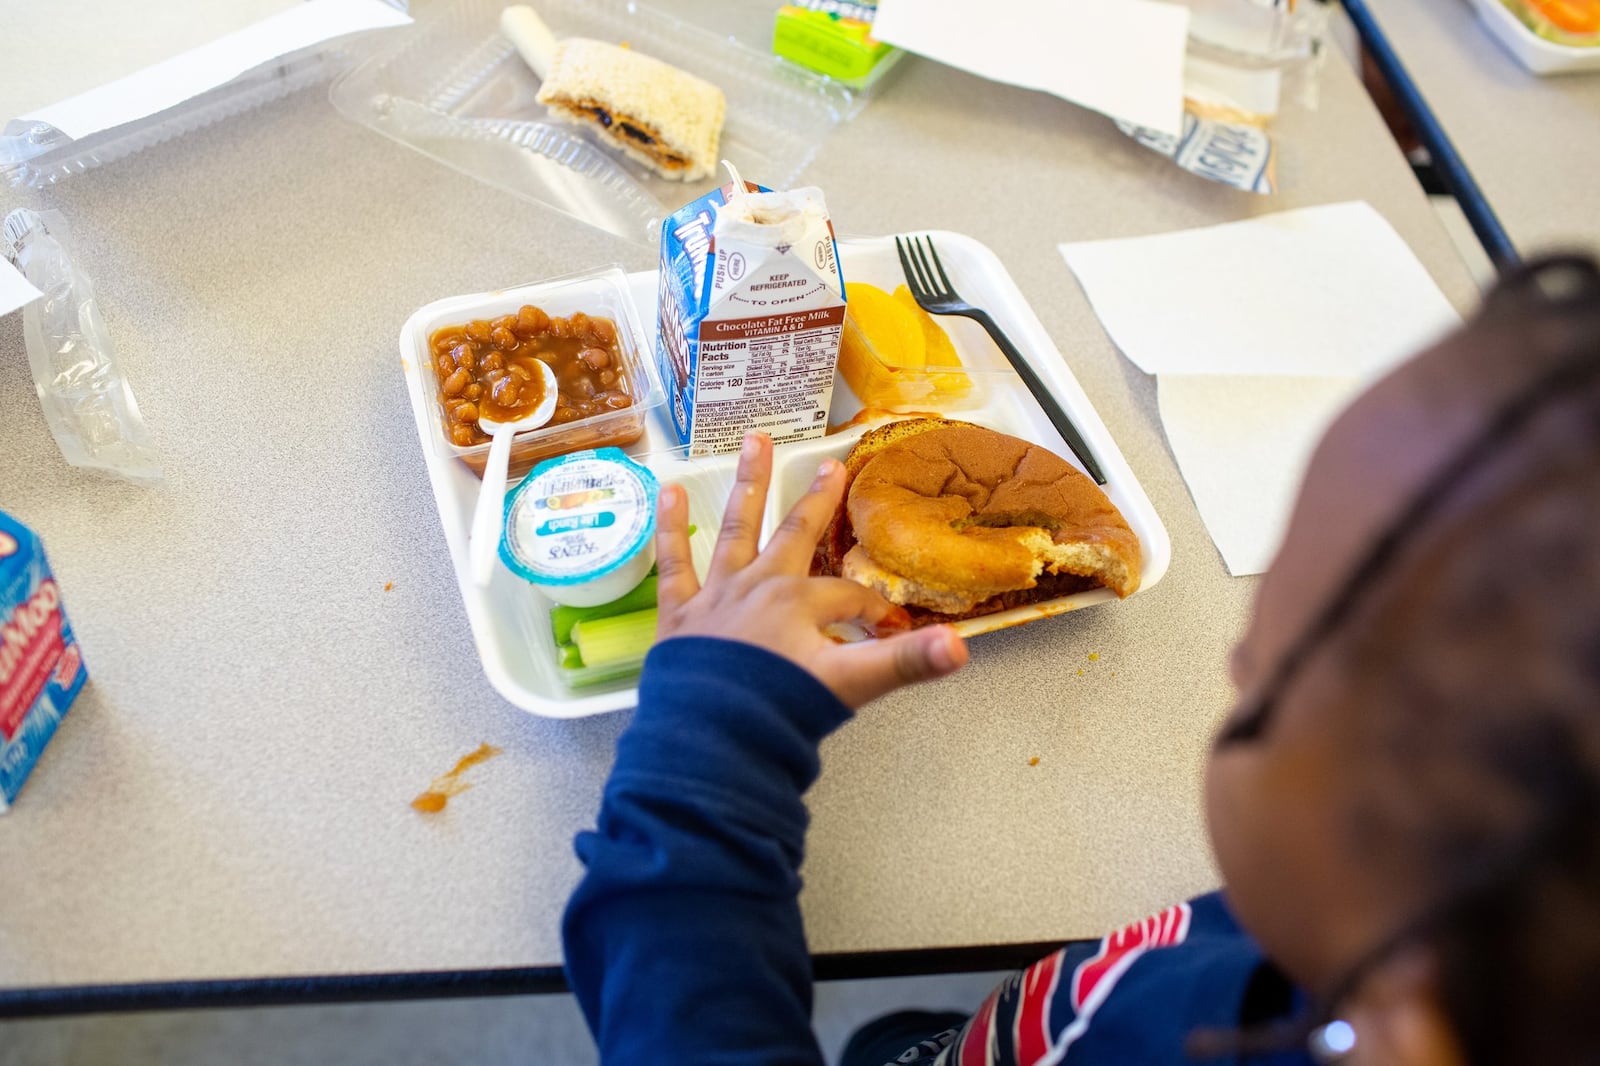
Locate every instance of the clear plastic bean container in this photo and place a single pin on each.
(427, 341)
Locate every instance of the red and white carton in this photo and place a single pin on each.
(41, 668)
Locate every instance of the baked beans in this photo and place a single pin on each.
(486, 367)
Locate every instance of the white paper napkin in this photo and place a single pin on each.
(1242, 444)
(1123, 58)
(166, 84)
(15, 290)
(1318, 291)
(1259, 332)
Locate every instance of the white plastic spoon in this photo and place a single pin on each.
(486, 517)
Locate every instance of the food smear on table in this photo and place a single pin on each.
(955, 521)
(893, 352)
(662, 117)
(751, 307)
(487, 367)
(438, 794)
(41, 666)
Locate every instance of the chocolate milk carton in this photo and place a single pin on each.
(751, 312)
(41, 669)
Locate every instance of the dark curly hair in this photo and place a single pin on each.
(1469, 631)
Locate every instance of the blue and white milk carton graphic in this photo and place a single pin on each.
(41, 669)
(751, 312)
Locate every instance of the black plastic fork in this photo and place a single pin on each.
(931, 288)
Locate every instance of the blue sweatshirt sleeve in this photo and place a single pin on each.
(683, 941)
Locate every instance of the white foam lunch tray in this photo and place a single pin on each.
(510, 620)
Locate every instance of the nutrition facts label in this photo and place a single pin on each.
(774, 374)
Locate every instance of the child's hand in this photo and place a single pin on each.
(767, 599)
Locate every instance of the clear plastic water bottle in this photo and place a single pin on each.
(87, 401)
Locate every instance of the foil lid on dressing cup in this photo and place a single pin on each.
(581, 527)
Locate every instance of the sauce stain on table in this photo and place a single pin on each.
(433, 801)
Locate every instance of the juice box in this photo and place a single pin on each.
(41, 668)
(751, 313)
(832, 37)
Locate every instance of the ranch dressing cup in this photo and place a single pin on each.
(581, 527)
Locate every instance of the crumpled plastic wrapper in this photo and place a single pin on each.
(1243, 56)
(87, 401)
(1218, 144)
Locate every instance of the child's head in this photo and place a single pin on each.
(1406, 804)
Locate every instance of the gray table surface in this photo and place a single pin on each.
(229, 797)
(1531, 143)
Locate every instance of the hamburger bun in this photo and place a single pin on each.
(952, 521)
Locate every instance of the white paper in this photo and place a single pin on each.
(15, 290)
(1123, 58)
(169, 83)
(1242, 444)
(1260, 332)
(1319, 292)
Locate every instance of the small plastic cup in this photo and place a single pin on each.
(581, 528)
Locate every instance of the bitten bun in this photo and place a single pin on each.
(960, 521)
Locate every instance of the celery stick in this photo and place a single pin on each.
(568, 658)
(620, 638)
(562, 618)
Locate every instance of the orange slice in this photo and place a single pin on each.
(940, 352)
(936, 342)
(896, 336)
(1574, 16)
(894, 352)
